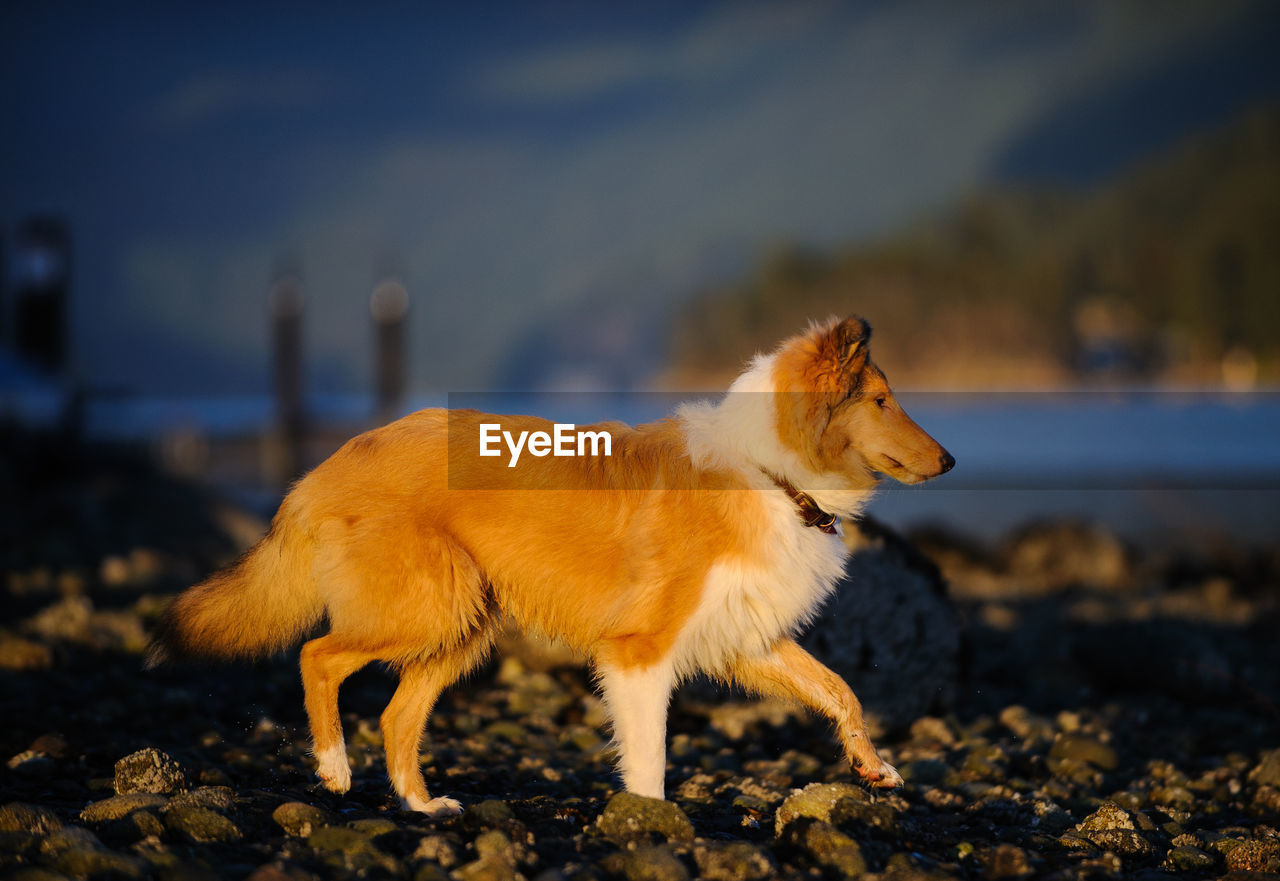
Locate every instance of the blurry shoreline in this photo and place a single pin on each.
(1158, 467)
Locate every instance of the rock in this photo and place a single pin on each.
(148, 770)
(538, 694)
(215, 798)
(54, 746)
(629, 817)
(349, 848)
(736, 861)
(119, 806)
(820, 801)
(99, 863)
(1267, 771)
(486, 870)
(1255, 855)
(428, 872)
(17, 816)
(1109, 816)
(932, 730)
(1081, 748)
(827, 845)
(653, 863)
(373, 826)
(1057, 556)
(438, 849)
(1186, 858)
(1113, 829)
(200, 825)
(890, 629)
(929, 772)
(1268, 798)
(496, 846)
(488, 814)
(1007, 861)
(66, 620)
(1124, 842)
(279, 871)
(18, 654)
(135, 826)
(1033, 730)
(77, 852)
(299, 818)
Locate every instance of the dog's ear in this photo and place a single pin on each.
(851, 338)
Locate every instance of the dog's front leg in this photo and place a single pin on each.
(636, 701)
(789, 671)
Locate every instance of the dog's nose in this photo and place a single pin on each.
(948, 461)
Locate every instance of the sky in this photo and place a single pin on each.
(537, 170)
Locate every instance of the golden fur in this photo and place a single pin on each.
(411, 550)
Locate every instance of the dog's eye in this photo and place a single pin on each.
(881, 401)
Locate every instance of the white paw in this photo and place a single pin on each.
(333, 770)
(435, 808)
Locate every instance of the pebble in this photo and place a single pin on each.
(1081, 748)
(1007, 861)
(628, 817)
(33, 819)
(1031, 776)
(1185, 858)
(653, 863)
(300, 819)
(733, 861)
(1255, 855)
(148, 770)
(18, 654)
(119, 806)
(826, 845)
(828, 802)
(1267, 771)
(200, 825)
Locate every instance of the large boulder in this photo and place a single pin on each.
(890, 630)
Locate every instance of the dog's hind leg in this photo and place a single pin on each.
(325, 662)
(636, 701)
(791, 672)
(403, 721)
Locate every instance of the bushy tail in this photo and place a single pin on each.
(262, 604)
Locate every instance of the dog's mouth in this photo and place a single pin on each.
(887, 466)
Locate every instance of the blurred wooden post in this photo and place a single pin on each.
(42, 271)
(389, 304)
(4, 296)
(286, 304)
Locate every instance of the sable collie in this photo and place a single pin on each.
(702, 542)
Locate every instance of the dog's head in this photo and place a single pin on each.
(837, 412)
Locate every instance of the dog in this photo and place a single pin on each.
(702, 542)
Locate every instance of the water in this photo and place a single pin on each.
(1145, 462)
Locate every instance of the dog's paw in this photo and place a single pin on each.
(334, 771)
(436, 808)
(882, 775)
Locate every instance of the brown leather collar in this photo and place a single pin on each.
(806, 507)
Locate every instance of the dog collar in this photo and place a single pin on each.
(806, 507)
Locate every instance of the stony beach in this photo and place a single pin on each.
(1060, 705)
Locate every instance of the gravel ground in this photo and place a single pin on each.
(1115, 716)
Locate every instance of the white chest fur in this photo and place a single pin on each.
(747, 606)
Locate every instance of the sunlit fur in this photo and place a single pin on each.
(678, 553)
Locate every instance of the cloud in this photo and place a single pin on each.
(791, 121)
(717, 45)
(212, 97)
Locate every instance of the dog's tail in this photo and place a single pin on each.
(262, 604)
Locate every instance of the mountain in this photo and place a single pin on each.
(1169, 271)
